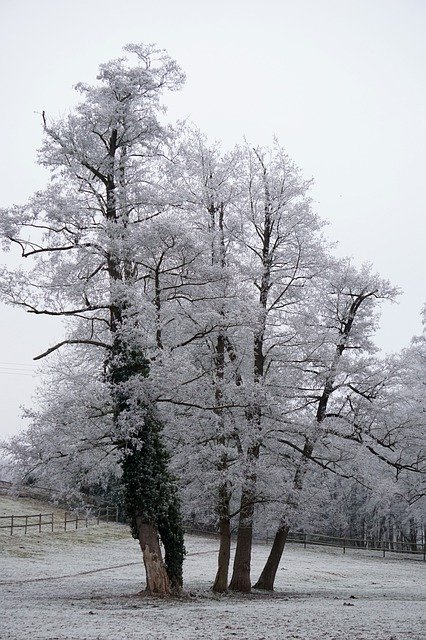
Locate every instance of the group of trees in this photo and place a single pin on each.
(218, 359)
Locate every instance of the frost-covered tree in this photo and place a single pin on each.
(210, 307)
(69, 444)
(84, 236)
(344, 394)
(209, 333)
(281, 249)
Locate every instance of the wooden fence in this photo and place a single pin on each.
(384, 546)
(48, 521)
(39, 520)
(83, 517)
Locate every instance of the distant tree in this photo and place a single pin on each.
(69, 443)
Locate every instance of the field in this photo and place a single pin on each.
(85, 585)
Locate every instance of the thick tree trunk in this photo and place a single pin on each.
(267, 577)
(170, 529)
(241, 572)
(157, 581)
(220, 584)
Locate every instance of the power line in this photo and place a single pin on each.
(17, 373)
(17, 365)
(17, 369)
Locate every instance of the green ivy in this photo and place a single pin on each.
(150, 491)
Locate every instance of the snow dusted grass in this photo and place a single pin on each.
(85, 585)
(26, 506)
(46, 543)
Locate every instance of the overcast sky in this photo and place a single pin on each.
(341, 83)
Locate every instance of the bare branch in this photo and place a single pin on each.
(95, 343)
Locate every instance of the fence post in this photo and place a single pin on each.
(52, 522)
(39, 523)
(76, 520)
(305, 535)
(11, 525)
(344, 545)
(384, 548)
(107, 509)
(26, 525)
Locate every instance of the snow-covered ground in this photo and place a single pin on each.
(84, 586)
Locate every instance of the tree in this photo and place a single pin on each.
(204, 182)
(279, 236)
(208, 189)
(69, 443)
(84, 234)
(342, 387)
(204, 311)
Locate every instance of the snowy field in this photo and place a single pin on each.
(84, 586)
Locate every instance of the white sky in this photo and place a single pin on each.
(341, 83)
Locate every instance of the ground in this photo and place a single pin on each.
(84, 585)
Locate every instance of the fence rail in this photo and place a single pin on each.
(84, 517)
(368, 544)
(71, 520)
(344, 543)
(25, 522)
(101, 514)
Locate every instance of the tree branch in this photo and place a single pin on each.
(95, 343)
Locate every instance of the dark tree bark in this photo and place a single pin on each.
(240, 580)
(220, 584)
(267, 577)
(218, 255)
(153, 506)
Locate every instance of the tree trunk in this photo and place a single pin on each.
(220, 584)
(391, 533)
(267, 577)
(413, 534)
(157, 581)
(241, 572)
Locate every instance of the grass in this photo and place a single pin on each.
(10, 505)
(35, 543)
